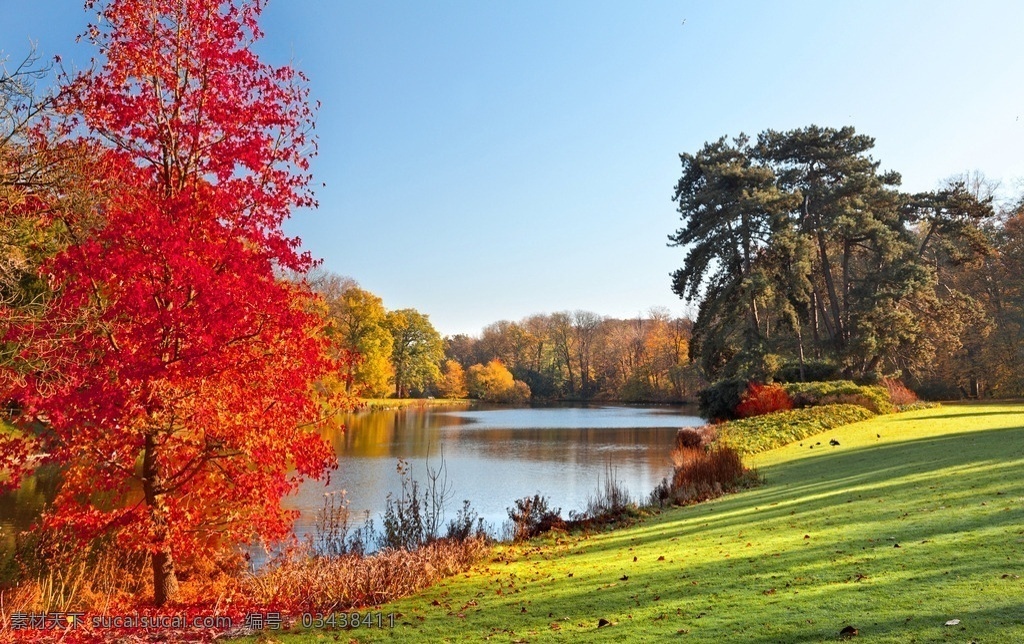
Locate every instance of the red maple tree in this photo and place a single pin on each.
(182, 410)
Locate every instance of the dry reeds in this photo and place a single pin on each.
(703, 470)
(303, 581)
(58, 575)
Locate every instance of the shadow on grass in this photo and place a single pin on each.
(977, 413)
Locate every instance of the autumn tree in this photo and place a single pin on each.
(493, 382)
(1005, 353)
(358, 326)
(417, 351)
(453, 380)
(462, 348)
(192, 375)
(41, 175)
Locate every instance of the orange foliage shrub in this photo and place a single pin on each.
(899, 394)
(763, 399)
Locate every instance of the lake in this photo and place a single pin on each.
(495, 456)
(492, 457)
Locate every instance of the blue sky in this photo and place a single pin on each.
(490, 160)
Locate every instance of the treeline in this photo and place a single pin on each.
(560, 356)
(581, 355)
(809, 263)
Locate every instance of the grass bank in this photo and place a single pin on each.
(913, 520)
(382, 404)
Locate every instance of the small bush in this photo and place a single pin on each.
(840, 392)
(466, 524)
(412, 519)
(689, 437)
(333, 534)
(661, 493)
(814, 371)
(403, 521)
(702, 474)
(920, 404)
(899, 394)
(532, 517)
(719, 401)
(763, 399)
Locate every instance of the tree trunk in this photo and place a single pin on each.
(826, 268)
(814, 325)
(165, 580)
(800, 344)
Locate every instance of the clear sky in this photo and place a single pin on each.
(490, 160)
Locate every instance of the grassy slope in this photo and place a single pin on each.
(796, 560)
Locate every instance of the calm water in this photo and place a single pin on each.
(492, 456)
(495, 456)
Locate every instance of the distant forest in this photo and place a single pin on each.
(577, 355)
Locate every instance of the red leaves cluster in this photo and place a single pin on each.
(184, 95)
(177, 340)
(763, 399)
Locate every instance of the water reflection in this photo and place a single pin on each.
(19, 509)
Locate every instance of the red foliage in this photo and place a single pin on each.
(181, 413)
(763, 399)
(899, 394)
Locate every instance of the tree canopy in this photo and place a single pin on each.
(799, 249)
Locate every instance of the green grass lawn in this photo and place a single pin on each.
(913, 520)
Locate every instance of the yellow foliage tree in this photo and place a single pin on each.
(453, 381)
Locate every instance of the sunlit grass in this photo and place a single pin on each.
(913, 520)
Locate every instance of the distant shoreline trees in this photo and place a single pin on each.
(581, 355)
(569, 355)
